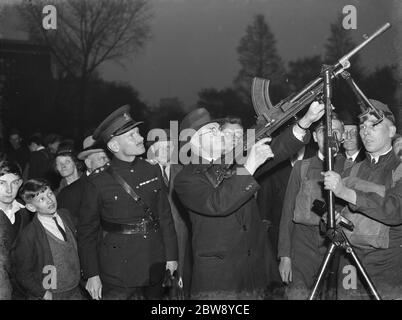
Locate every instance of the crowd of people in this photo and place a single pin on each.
(122, 220)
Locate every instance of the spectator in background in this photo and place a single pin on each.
(232, 130)
(352, 145)
(94, 157)
(18, 151)
(161, 151)
(301, 246)
(68, 166)
(397, 145)
(13, 219)
(52, 142)
(40, 160)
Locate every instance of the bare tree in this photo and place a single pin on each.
(89, 32)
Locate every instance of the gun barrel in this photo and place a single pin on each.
(347, 56)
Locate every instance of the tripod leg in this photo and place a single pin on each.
(321, 273)
(359, 265)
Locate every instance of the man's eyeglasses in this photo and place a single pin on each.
(233, 134)
(350, 133)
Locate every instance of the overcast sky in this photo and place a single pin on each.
(194, 41)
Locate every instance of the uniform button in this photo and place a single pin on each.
(244, 227)
(249, 252)
(131, 170)
(125, 260)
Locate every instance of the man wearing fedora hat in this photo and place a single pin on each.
(377, 234)
(94, 157)
(126, 235)
(231, 251)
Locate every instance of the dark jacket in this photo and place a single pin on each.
(383, 265)
(9, 234)
(71, 197)
(271, 195)
(33, 253)
(230, 246)
(21, 155)
(296, 183)
(125, 260)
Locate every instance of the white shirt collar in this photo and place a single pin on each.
(10, 213)
(40, 148)
(49, 224)
(353, 156)
(378, 157)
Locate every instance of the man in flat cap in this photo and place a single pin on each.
(94, 157)
(126, 235)
(377, 234)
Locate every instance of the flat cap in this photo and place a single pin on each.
(117, 123)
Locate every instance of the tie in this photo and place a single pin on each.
(63, 233)
(348, 163)
(165, 177)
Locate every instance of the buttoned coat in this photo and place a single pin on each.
(231, 250)
(125, 260)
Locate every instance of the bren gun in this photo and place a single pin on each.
(270, 118)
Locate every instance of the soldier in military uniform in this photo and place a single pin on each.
(126, 235)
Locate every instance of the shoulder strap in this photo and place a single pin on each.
(131, 192)
(305, 164)
(355, 169)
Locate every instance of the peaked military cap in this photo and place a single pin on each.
(117, 123)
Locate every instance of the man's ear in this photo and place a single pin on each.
(392, 131)
(315, 136)
(30, 207)
(87, 163)
(113, 146)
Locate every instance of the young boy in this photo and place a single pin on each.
(13, 219)
(47, 264)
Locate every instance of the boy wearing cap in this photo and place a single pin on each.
(126, 235)
(377, 235)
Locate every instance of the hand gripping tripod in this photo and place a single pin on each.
(335, 233)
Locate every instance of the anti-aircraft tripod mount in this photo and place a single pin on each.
(270, 118)
(334, 232)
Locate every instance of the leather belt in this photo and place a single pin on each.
(144, 227)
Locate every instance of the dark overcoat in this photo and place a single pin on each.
(230, 246)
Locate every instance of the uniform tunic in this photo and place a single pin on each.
(125, 260)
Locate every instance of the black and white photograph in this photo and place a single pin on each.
(199, 155)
